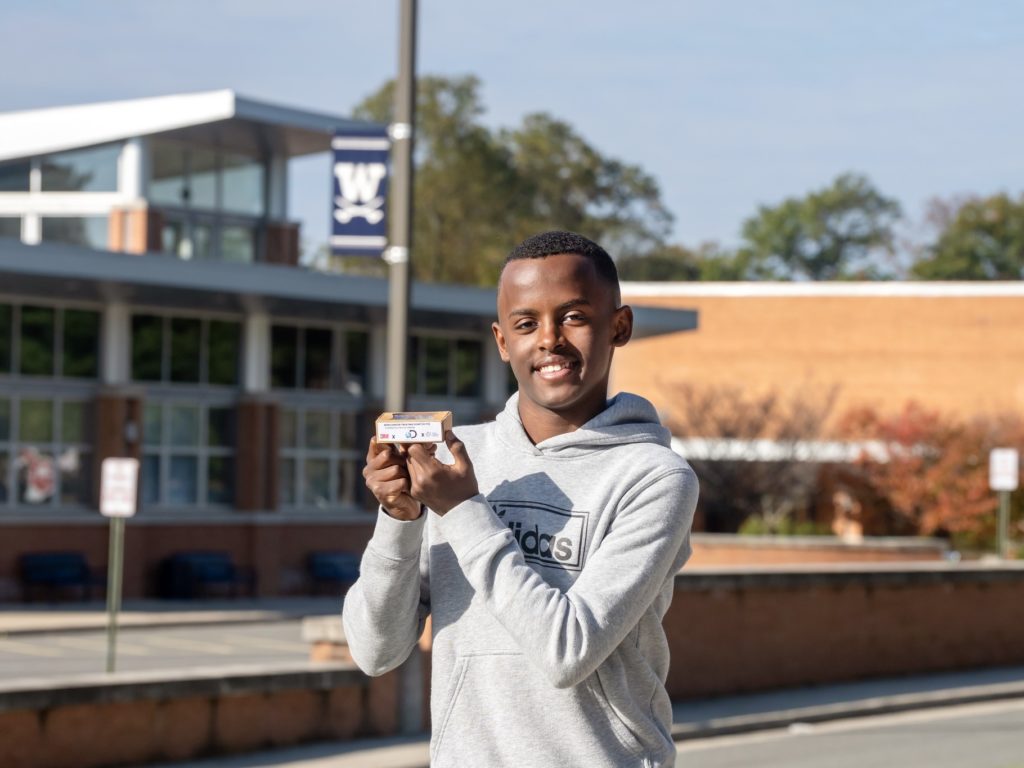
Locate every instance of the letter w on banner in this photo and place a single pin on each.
(359, 223)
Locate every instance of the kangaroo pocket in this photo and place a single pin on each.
(497, 710)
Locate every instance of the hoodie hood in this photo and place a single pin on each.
(627, 419)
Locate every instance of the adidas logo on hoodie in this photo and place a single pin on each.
(547, 535)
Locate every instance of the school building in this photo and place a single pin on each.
(152, 305)
(955, 347)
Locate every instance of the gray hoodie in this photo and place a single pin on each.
(546, 591)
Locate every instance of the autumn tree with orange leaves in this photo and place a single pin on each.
(936, 476)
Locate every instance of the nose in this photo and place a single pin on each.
(550, 337)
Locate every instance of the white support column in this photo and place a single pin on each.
(31, 229)
(117, 344)
(256, 360)
(495, 389)
(132, 171)
(378, 360)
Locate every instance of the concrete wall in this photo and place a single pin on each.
(145, 718)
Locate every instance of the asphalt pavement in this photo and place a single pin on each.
(802, 708)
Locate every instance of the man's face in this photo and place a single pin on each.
(557, 326)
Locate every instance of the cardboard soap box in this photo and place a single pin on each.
(413, 426)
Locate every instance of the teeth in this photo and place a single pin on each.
(551, 368)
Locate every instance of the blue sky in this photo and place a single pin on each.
(728, 103)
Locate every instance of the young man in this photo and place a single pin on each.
(544, 546)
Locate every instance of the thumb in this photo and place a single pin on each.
(458, 450)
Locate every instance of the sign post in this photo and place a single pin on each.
(119, 482)
(1003, 476)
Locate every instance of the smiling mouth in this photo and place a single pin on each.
(552, 369)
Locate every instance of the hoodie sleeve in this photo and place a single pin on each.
(385, 610)
(569, 634)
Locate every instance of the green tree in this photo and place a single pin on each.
(478, 191)
(467, 191)
(979, 239)
(677, 262)
(571, 185)
(828, 235)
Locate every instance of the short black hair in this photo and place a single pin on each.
(558, 242)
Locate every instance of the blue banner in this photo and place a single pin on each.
(360, 192)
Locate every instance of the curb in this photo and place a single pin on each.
(882, 705)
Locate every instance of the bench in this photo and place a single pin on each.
(332, 571)
(203, 573)
(56, 573)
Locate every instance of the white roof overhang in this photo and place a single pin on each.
(215, 117)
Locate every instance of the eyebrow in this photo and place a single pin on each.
(560, 308)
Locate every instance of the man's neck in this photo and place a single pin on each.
(541, 424)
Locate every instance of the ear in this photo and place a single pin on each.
(622, 326)
(499, 339)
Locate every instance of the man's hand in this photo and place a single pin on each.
(387, 476)
(441, 486)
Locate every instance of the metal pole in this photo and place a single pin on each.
(1004, 521)
(115, 559)
(397, 255)
(400, 214)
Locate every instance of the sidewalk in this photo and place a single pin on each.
(30, 618)
(692, 719)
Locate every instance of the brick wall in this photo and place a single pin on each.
(734, 631)
(960, 354)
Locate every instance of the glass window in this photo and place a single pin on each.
(150, 479)
(243, 185)
(183, 487)
(184, 425)
(287, 425)
(286, 480)
(284, 344)
(220, 430)
(357, 361)
(37, 340)
(152, 425)
(147, 347)
(89, 231)
(82, 170)
(74, 424)
(318, 429)
(3, 477)
(14, 177)
(36, 421)
(238, 244)
(468, 362)
(6, 328)
(185, 343)
(316, 482)
(81, 343)
(5, 420)
(202, 191)
(37, 476)
(200, 246)
(348, 483)
(220, 485)
(348, 432)
(75, 468)
(10, 226)
(318, 358)
(435, 366)
(223, 345)
(168, 185)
